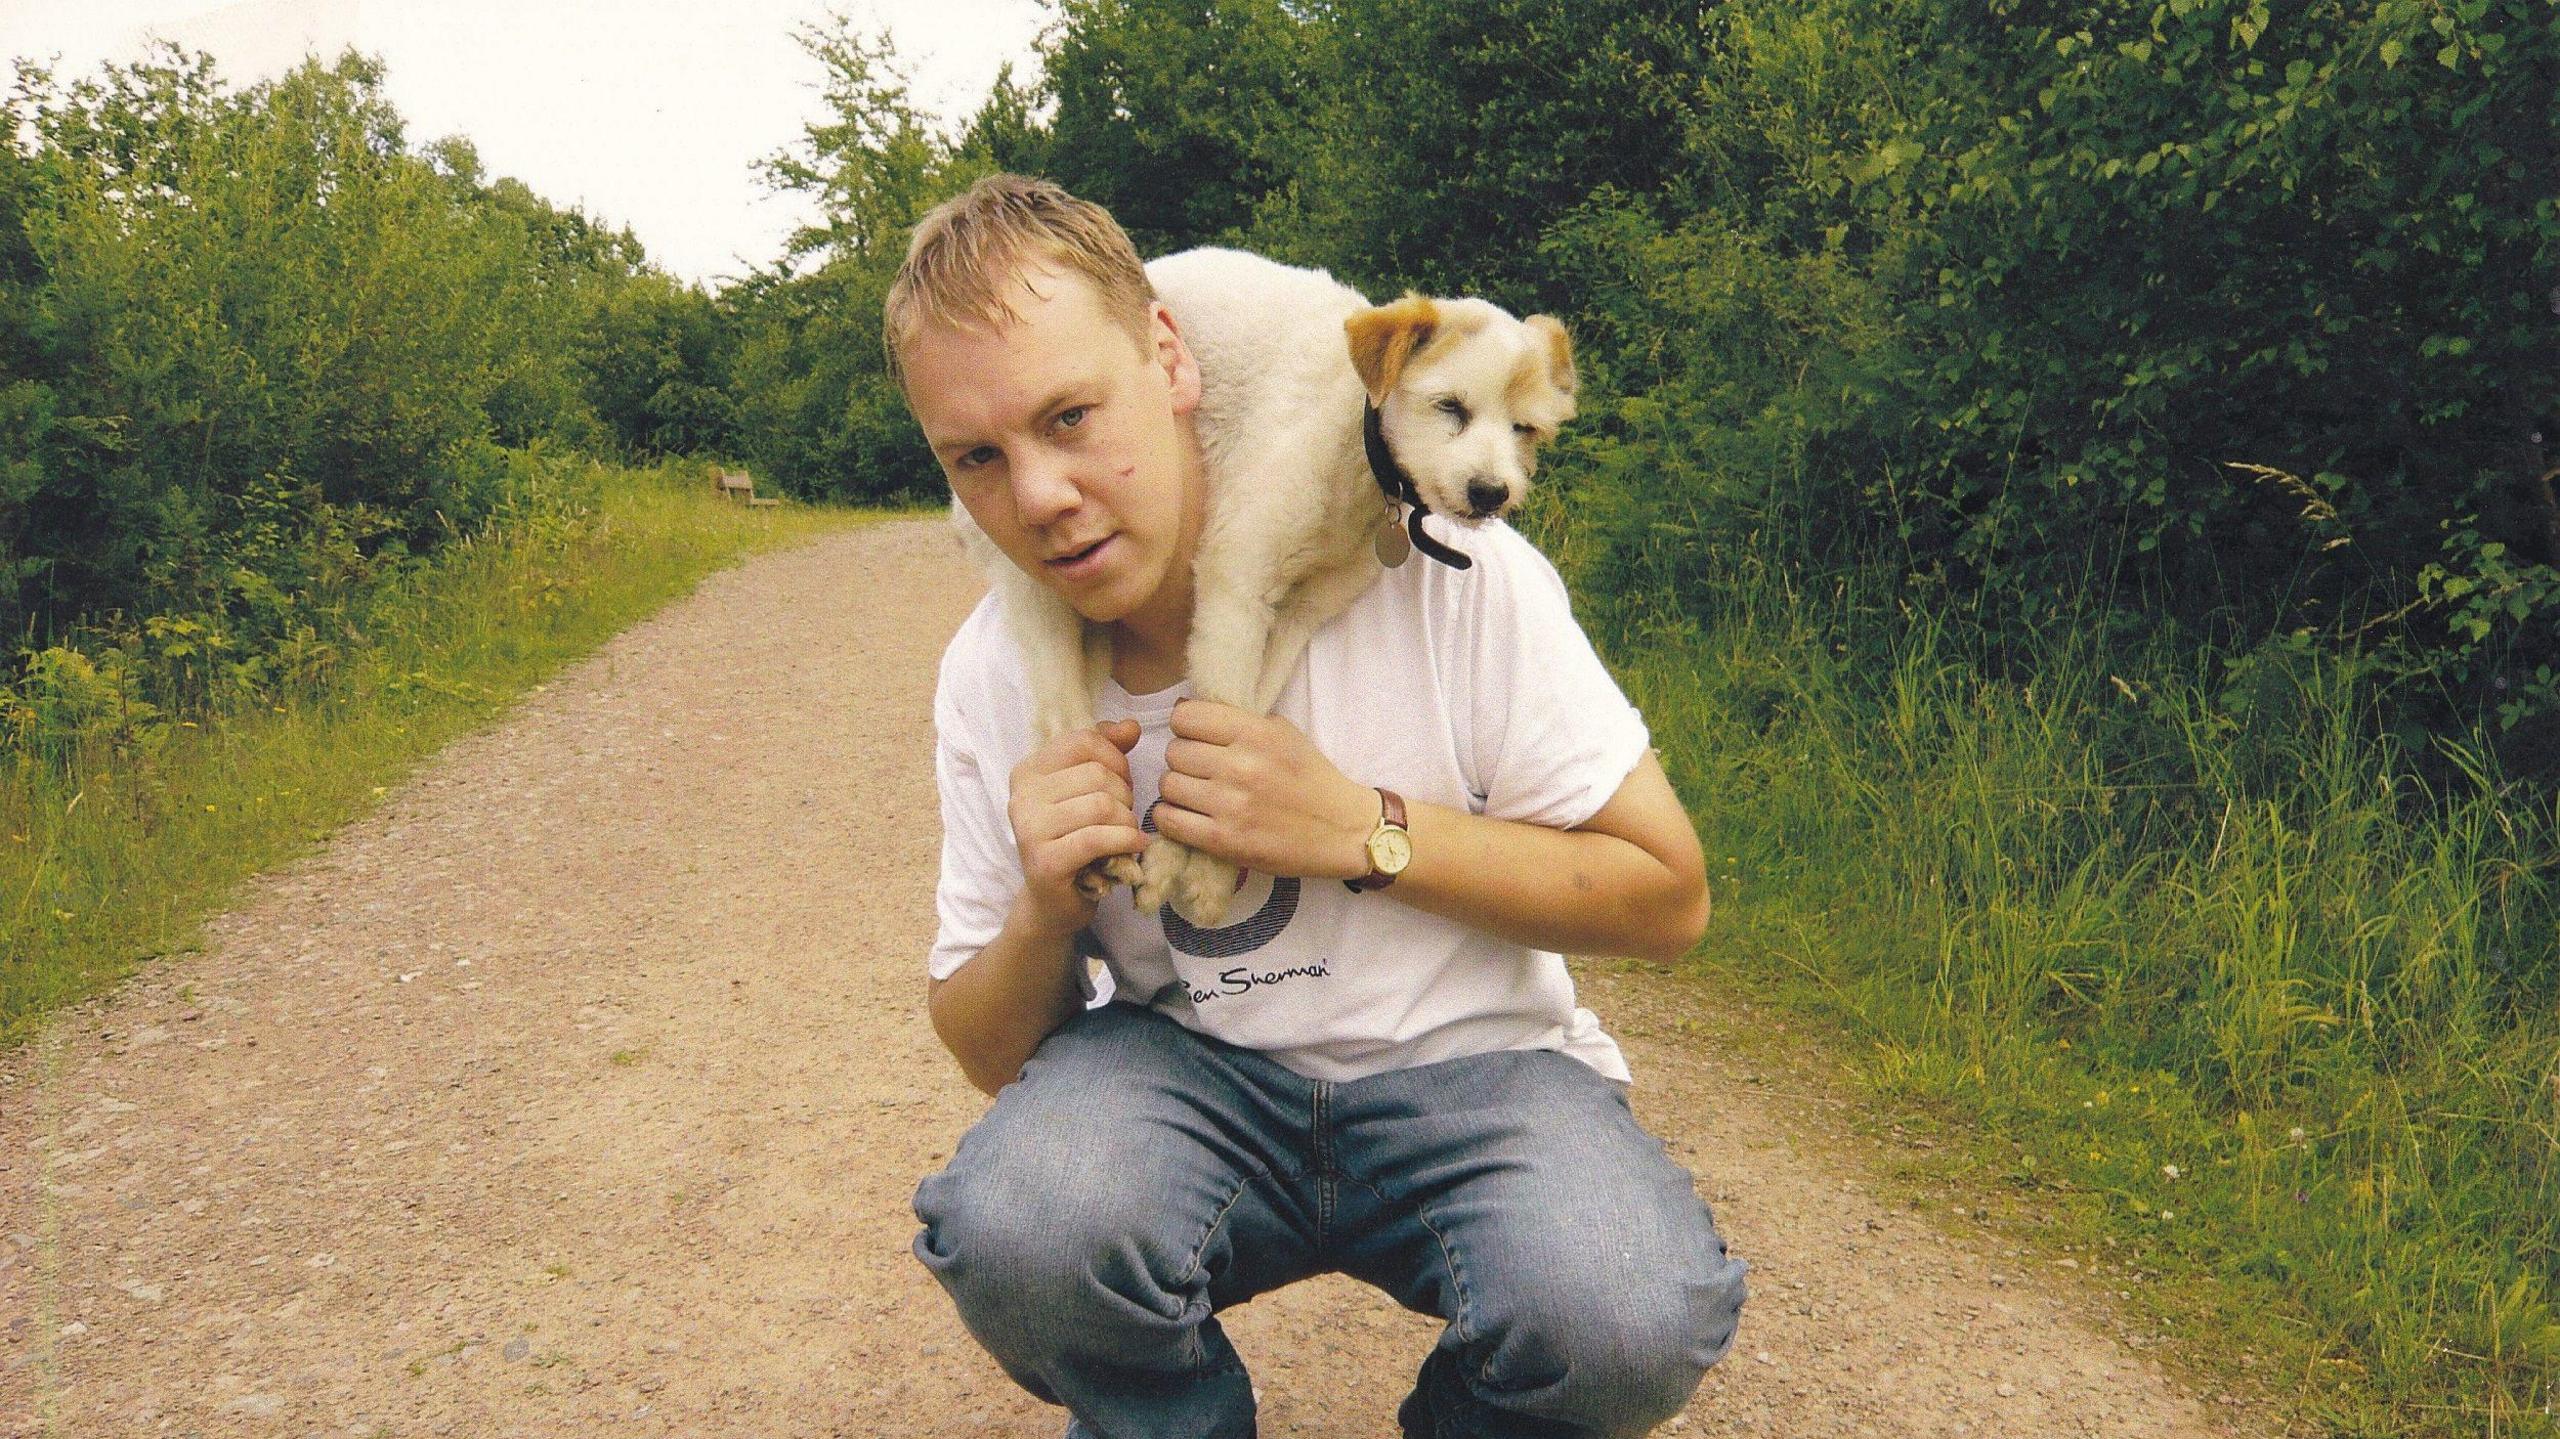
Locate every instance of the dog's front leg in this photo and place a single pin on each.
(1050, 635)
(1064, 659)
(1230, 624)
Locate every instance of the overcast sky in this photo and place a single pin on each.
(649, 113)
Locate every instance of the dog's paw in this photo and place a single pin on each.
(1204, 890)
(1095, 879)
(1158, 868)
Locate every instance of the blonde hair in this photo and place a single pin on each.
(970, 249)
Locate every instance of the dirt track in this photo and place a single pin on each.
(582, 1087)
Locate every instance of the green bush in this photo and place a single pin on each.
(261, 353)
(2238, 312)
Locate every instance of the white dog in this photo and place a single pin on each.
(1314, 405)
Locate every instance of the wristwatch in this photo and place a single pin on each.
(1390, 847)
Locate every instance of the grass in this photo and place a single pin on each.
(2178, 962)
(114, 847)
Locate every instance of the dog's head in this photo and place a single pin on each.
(1465, 395)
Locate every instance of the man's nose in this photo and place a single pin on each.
(1044, 488)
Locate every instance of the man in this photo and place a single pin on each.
(1379, 1068)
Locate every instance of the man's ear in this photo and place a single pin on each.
(1181, 368)
(1559, 350)
(1384, 337)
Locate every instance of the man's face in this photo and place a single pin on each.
(1059, 433)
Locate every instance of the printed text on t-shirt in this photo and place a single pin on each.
(1241, 980)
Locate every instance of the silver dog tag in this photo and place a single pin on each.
(1393, 545)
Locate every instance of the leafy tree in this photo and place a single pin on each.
(1182, 117)
(1450, 137)
(1005, 132)
(654, 355)
(816, 409)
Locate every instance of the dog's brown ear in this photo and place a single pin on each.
(1384, 337)
(1559, 350)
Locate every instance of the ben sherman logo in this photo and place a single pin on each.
(1241, 980)
(1265, 916)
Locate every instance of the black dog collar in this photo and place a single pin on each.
(1399, 488)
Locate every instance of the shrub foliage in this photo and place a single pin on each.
(2241, 316)
(258, 350)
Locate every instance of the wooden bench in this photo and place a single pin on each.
(738, 484)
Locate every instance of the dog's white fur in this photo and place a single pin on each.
(1286, 358)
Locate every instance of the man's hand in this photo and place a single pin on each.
(1070, 805)
(1629, 880)
(1254, 791)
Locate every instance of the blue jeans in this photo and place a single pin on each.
(1138, 1178)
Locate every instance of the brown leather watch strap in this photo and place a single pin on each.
(1390, 809)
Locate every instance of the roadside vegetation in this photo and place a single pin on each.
(2188, 977)
(2070, 487)
(125, 823)
(317, 446)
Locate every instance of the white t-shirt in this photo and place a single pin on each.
(1474, 689)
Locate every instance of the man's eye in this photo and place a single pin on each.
(982, 455)
(1071, 417)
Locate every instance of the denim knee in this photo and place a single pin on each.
(1043, 1276)
(1596, 1349)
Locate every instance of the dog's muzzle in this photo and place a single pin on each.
(1400, 489)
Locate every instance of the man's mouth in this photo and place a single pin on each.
(1078, 561)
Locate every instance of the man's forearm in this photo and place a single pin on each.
(994, 1011)
(1628, 880)
(1573, 891)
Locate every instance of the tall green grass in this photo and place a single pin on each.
(2185, 955)
(123, 825)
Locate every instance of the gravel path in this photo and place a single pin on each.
(581, 1088)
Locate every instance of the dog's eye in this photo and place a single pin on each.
(1453, 407)
(1526, 432)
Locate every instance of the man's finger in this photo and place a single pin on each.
(1189, 792)
(1180, 825)
(1090, 777)
(1103, 743)
(1097, 841)
(1062, 817)
(1090, 743)
(1191, 756)
(1209, 720)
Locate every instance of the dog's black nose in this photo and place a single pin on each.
(1484, 497)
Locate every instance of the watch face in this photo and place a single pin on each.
(1390, 850)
